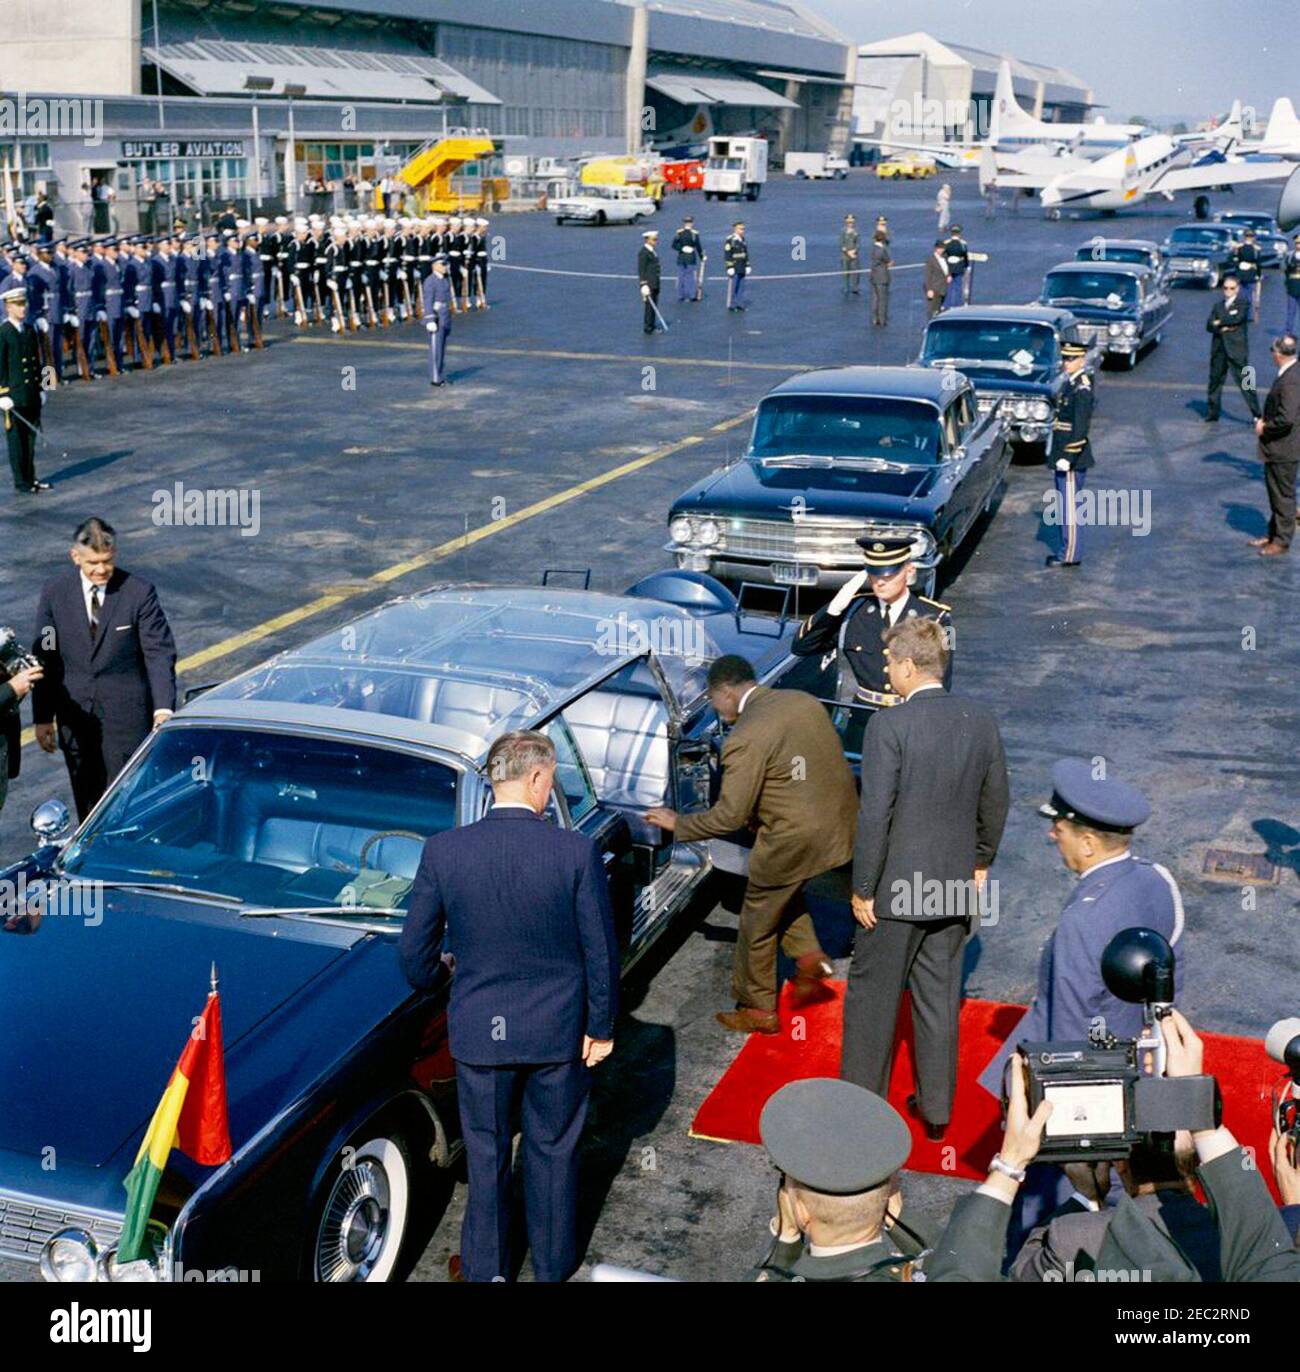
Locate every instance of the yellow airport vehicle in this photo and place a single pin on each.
(906, 168)
(625, 171)
(435, 174)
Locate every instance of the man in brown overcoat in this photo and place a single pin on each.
(783, 774)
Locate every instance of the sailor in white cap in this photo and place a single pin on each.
(648, 272)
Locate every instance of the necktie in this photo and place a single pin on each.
(94, 613)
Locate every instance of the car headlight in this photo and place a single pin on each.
(1130, 330)
(680, 529)
(110, 1270)
(1020, 408)
(1113, 330)
(1040, 409)
(69, 1256)
(707, 532)
(1203, 264)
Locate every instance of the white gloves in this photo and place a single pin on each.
(42, 326)
(207, 304)
(6, 402)
(845, 594)
(227, 297)
(731, 271)
(187, 307)
(101, 317)
(132, 312)
(1062, 464)
(157, 309)
(645, 292)
(432, 326)
(72, 321)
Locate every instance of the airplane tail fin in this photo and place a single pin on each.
(1231, 131)
(1283, 129)
(1008, 118)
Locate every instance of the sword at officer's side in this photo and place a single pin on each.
(658, 316)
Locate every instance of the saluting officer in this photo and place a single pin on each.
(1070, 453)
(853, 622)
(735, 253)
(648, 275)
(839, 1149)
(1248, 265)
(1229, 349)
(689, 248)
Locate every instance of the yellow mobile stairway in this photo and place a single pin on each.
(432, 171)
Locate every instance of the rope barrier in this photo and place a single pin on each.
(751, 276)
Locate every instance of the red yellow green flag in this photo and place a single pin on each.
(191, 1116)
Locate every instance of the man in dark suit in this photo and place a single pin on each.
(649, 273)
(12, 690)
(109, 660)
(934, 802)
(526, 912)
(937, 279)
(21, 395)
(1228, 327)
(1279, 448)
(784, 774)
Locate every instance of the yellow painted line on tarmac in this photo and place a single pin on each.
(562, 356)
(268, 627)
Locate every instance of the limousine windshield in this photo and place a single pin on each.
(855, 427)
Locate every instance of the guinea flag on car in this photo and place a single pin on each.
(191, 1116)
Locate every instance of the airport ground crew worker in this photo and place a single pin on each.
(1070, 454)
(735, 253)
(689, 248)
(851, 256)
(649, 274)
(1229, 349)
(436, 303)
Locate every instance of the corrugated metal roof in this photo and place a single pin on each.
(691, 87)
(219, 67)
(780, 16)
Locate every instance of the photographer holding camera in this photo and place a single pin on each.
(17, 677)
(1254, 1244)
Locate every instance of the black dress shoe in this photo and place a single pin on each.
(1210, 419)
(1054, 561)
(933, 1132)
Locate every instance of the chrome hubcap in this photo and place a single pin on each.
(355, 1225)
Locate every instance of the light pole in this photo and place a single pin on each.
(290, 153)
(256, 84)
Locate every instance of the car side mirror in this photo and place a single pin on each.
(51, 820)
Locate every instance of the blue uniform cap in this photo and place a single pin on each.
(441, 257)
(1113, 806)
(834, 1136)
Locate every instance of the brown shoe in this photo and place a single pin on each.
(749, 1021)
(1259, 542)
(1273, 550)
(811, 971)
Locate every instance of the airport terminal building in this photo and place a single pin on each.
(252, 101)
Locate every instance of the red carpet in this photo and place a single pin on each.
(812, 1049)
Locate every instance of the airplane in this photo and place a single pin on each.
(1282, 134)
(1012, 131)
(1153, 165)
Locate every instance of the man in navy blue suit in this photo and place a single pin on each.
(109, 660)
(526, 912)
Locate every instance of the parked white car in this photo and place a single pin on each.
(604, 205)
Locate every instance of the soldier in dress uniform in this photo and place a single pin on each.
(878, 275)
(648, 277)
(851, 255)
(957, 254)
(1070, 454)
(166, 299)
(1229, 350)
(1093, 820)
(338, 288)
(481, 261)
(21, 396)
(215, 295)
(437, 308)
(190, 319)
(408, 254)
(735, 254)
(80, 318)
(838, 1216)
(1248, 266)
(453, 244)
(45, 286)
(111, 298)
(852, 622)
(250, 259)
(689, 248)
(1291, 279)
